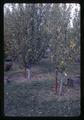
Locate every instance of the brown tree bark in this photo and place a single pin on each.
(56, 79)
(25, 73)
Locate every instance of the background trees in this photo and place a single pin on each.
(64, 42)
(24, 30)
(32, 28)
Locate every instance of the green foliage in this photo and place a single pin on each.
(24, 32)
(29, 30)
(64, 38)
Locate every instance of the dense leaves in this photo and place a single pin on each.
(25, 36)
(33, 30)
(30, 29)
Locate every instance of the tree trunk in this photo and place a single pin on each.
(28, 74)
(56, 79)
(25, 72)
(61, 86)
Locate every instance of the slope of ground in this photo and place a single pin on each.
(36, 97)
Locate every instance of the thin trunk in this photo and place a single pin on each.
(28, 74)
(65, 38)
(25, 72)
(56, 85)
(61, 85)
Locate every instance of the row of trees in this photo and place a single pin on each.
(30, 29)
(66, 39)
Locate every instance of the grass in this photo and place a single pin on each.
(46, 65)
(29, 99)
(36, 98)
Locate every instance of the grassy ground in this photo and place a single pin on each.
(37, 98)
